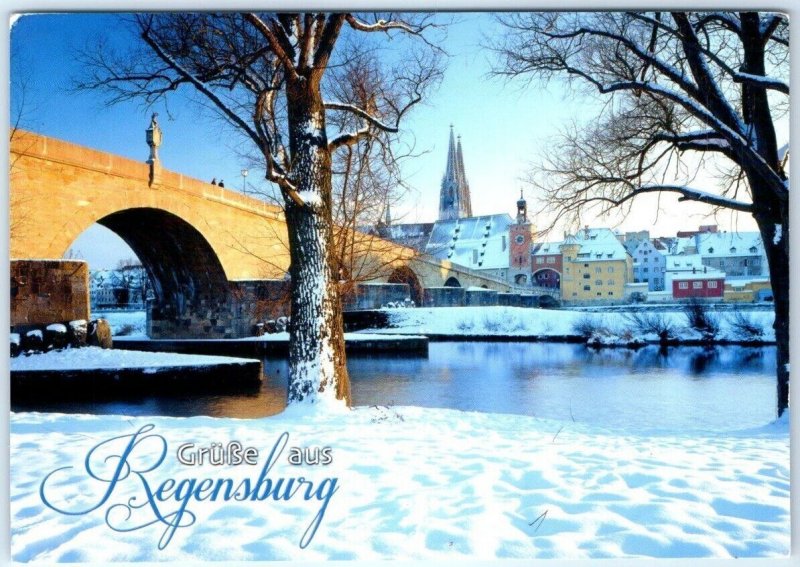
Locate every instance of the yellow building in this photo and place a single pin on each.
(596, 267)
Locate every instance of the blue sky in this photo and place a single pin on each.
(503, 126)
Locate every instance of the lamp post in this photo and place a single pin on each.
(244, 181)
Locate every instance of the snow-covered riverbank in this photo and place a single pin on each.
(410, 483)
(542, 323)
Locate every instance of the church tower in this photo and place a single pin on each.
(454, 198)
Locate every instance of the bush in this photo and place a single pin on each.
(586, 326)
(651, 323)
(700, 318)
(744, 326)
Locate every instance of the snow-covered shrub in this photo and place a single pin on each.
(586, 325)
(466, 325)
(651, 323)
(699, 317)
(744, 327)
(125, 330)
(492, 324)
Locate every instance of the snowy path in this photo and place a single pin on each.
(416, 483)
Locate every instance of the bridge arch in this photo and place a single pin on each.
(547, 277)
(452, 281)
(406, 275)
(182, 266)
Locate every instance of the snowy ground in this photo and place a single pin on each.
(96, 358)
(613, 326)
(410, 483)
(125, 323)
(528, 322)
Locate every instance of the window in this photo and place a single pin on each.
(683, 285)
(646, 260)
(551, 260)
(586, 276)
(733, 250)
(610, 282)
(598, 282)
(599, 293)
(540, 260)
(587, 288)
(598, 270)
(611, 269)
(697, 285)
(574, 294)
(586, 265)
(610, 293)
(712, 285)
(645, 270)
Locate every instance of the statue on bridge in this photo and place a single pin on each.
(153, 137)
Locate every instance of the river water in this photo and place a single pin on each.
(721, 388)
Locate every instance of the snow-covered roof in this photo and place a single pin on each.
(599, 244)
(547, 248)
(689, 267)
(724, 244)
(475, 242)
(683, 245)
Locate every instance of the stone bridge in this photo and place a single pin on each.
(214, 256)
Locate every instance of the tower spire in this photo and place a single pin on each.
(465, 200)
(454, 198)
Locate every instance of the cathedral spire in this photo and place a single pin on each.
(454, 198)
(465, 200)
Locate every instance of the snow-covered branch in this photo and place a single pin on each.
(363, 114)
(760, 80)
(274, 43)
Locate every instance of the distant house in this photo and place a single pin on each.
(596, 266)
(547, 265)
(648, 261)
(738, 254)
(688, 277)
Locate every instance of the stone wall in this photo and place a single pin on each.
(233, 314)
(480, 297)
(49, 291)
(443, 297)
(377, 295)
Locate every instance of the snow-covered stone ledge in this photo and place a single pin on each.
(97, 372)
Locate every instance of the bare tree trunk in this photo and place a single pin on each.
(317, 362)
(775, 235)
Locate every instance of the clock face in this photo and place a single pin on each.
(519, 239)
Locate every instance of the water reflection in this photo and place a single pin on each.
(725, 387)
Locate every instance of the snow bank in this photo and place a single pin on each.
(412, 483)
(96, 357)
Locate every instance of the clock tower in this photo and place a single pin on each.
(521, 242)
